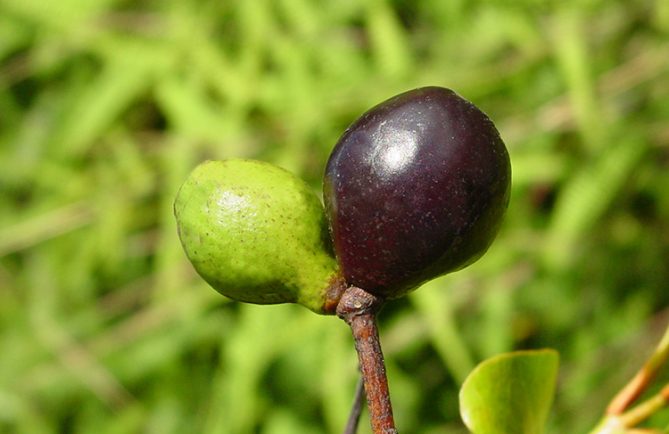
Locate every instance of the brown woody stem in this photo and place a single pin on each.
(643, 411)
(630, 392)
(358, 308)
(642, 379)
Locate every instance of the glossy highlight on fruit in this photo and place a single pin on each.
(257, 234)
(415, 188)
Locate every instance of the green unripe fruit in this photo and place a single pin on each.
(258, 234)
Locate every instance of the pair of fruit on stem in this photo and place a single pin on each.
(414, 189)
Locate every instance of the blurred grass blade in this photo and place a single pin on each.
(388, 40)
(125, 78)
(31, 231)
(573, 59)
(435, 306)
(586, 197)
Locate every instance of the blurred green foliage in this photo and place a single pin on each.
(105, 106)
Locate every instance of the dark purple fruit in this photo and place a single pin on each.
(415, 188)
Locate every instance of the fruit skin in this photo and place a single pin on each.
(257, 234)
(415, 188)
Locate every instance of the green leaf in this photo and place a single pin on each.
(510, 393)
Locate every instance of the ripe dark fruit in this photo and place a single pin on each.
(415, 188)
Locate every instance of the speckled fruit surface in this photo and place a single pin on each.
(415, 188)
(256, 233)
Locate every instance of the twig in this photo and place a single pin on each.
(643, 411)
(619, 417)
(642, 379)
(358, 308)
(356, 409)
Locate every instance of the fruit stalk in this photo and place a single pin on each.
(358, 309)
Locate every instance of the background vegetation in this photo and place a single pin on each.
(106, 105)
